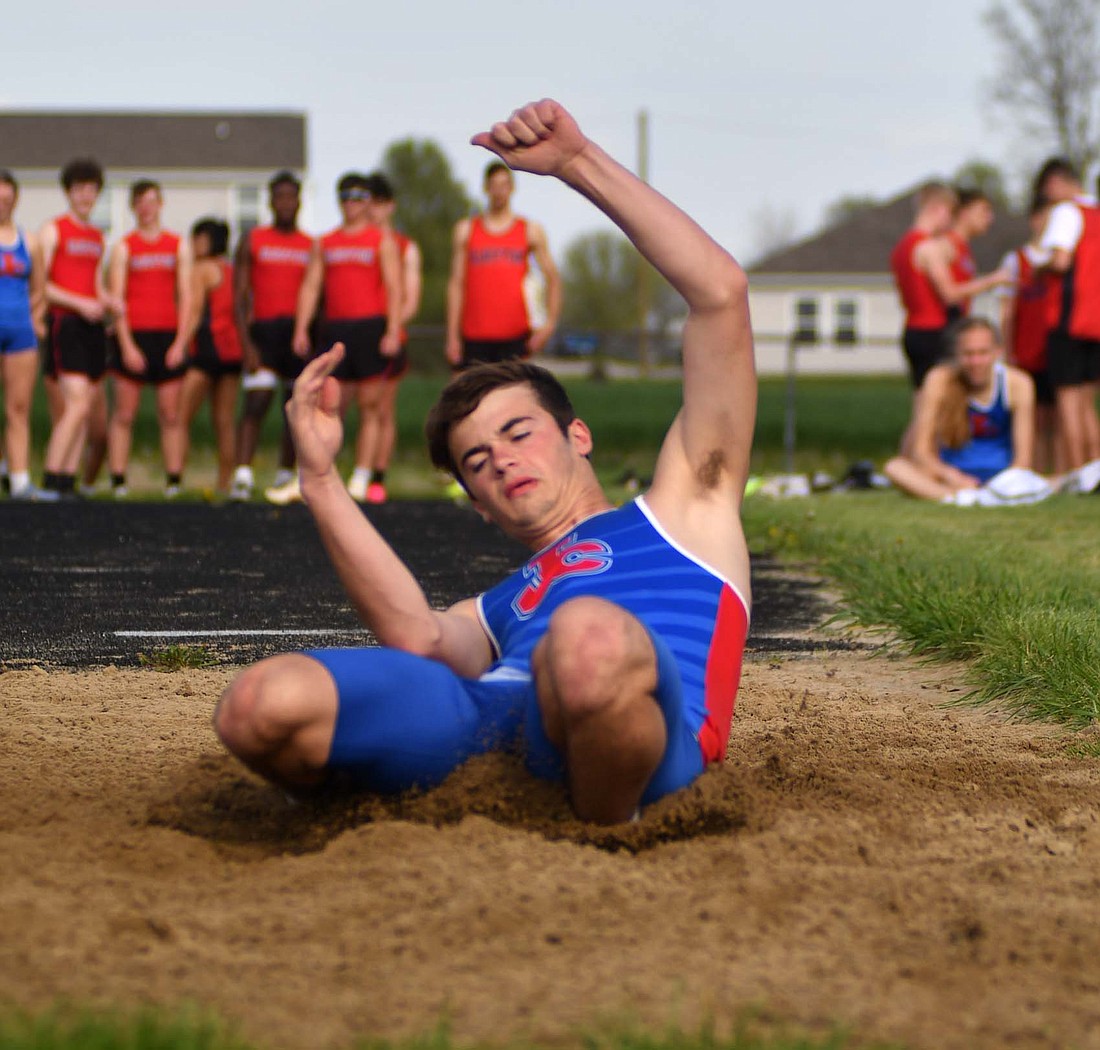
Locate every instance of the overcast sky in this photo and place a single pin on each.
(756, 108)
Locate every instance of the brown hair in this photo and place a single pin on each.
(935, 191)
(952, 418)
(465, 392)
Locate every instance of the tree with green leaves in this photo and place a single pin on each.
(600, 279)
(987, 178)
(430, 200)
(1048, 79)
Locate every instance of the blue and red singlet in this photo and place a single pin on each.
(624, 556)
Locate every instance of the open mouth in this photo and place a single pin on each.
(518, 488)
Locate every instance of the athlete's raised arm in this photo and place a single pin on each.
(706, 453)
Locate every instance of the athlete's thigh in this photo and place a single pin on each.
(405, 721)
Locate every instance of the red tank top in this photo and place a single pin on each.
(1034, 314)
(353, 274)
(220, 317)
(1082, 283)
(963, 267)
(494, 306)
(77, 257)
(923, 307)
(151, 279)
(278, 264)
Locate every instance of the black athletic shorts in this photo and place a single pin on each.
(205, 357)
(477, 351)
(924, 349)
(1072, 362)
(274, 338)
(154, 348)
(362, 339)
(77, 346)
(1044, 389)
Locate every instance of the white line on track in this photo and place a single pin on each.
(232, 634)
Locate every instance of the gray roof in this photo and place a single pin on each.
(862, 244)
(154, 140)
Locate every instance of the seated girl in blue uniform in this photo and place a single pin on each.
(973, 419)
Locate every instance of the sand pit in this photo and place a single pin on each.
(865, 857)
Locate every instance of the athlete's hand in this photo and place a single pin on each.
(537, 340)
(300, 343)
(390, 345)
(91, 310)
(314, 415)
(541, 138)
(175, 355)
(250, 357)
(133, 358)
(452, 350)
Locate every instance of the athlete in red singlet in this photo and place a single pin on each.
(921, 262)
(973, 218)
(214, 367)
(78, 301)
(1072, 236)
(271, 263)
(1029, 311)
(357, 270)
(368, 480)
(487, 314)
(150, 269)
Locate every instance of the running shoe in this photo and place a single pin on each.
(240, 491)
(120, 492)
(376, 492)
(171, 491)
(291, 492)
(33, 494)
(357, 488)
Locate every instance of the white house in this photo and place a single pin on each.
(835, 292)
(209, 163)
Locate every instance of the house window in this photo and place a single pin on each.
(247, 209)
(805, 320)
(846, 318)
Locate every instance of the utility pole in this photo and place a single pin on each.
(644, 282)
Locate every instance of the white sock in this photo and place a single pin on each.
(282, 477)
(361, 475)
(243, 476)
(20, 479)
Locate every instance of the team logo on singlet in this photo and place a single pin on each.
(570, 557)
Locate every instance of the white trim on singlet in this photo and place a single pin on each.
(660, 530)
(1000, 386)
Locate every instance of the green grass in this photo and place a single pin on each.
(69, 1028)
(1010, 591)
(838, 421)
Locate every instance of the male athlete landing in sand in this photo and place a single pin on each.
(611, 660)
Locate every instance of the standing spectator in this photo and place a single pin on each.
(72, 254)
(21, 304)
(214, 368)
(369, 476)
(921, 262)
(150, 270)
(487, 313)
(1029, 309)
(973, 218)
(270, 265)
(357, 269)
(1072, 237)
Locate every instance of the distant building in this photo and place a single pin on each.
(209, 163)
(836, 291)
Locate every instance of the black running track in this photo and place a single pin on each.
(94, 583)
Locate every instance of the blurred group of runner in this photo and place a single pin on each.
(1013, 392)
(197, 323)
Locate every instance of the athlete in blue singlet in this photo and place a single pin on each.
(21, 288)
(976, 420)
(611, 659)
